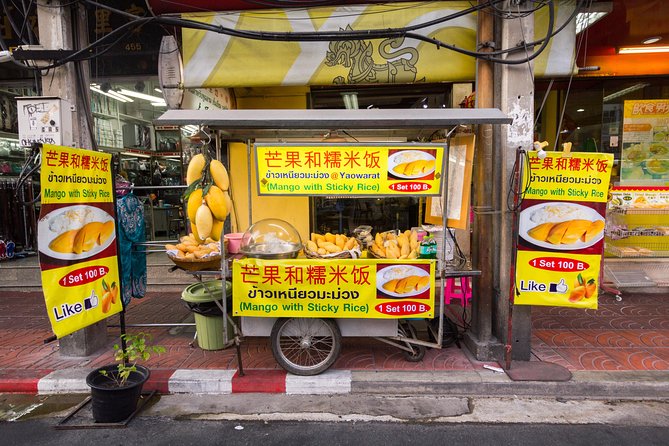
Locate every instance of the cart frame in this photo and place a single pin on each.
(412, 124)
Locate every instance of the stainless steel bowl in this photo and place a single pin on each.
(261, 251)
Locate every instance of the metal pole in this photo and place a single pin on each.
(483, 248)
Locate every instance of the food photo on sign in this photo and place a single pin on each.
(561, 226)
(411, 164)
(400, 281)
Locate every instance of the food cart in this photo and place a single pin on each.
(303, 341)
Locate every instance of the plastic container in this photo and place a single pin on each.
(234, 241)
(201, 299)
(271, 239)
(428, 248)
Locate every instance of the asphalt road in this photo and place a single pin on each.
(163, 431)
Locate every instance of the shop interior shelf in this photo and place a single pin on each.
(637, 251)
(639, 211)
(627, 277)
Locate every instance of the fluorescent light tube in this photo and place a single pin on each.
(643, 49)
(625, 91)
(135, 94)
(118, 97)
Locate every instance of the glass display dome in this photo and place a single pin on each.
(271, 239)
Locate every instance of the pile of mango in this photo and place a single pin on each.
(324, 244)
(389, 245)
(208, 199)
(190, 249)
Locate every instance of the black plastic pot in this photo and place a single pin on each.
(111, 403)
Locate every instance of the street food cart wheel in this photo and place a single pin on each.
(305, 346)
(407, 330)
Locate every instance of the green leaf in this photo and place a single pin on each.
(104, 285)
(580, 279)
(191, 187)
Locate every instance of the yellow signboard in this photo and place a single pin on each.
(77, 238)
(342, 169)
(228, 60)
(561, 229)
(341, 288)
(645, 150)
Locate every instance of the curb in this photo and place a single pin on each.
(192, 381)
(650, 385)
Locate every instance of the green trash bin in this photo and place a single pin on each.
(201, 298)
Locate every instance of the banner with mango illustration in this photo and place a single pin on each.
(561, 229)
(76, 235)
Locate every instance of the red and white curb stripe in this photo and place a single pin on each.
(190, 381)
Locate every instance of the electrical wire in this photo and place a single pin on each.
(356, 35)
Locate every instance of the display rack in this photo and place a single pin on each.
(636, 244)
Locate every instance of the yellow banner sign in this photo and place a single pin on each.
(645, 150)
(76, 235)
(326, 169)
(561, 229)
(224, 60)
(342, 288)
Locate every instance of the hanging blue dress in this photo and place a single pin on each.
(130, 214)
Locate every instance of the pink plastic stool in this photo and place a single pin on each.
(463, 293)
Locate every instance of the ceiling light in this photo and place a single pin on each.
(135, 94)
(159, 104)
(158, 90)
(625, 91)
(580, 110)
(643, 49)
(111, 94)
(650, 40)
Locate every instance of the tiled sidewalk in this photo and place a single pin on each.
(629, 335)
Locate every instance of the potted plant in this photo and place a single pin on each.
(116, 388)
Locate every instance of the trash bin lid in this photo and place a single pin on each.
(209, 291)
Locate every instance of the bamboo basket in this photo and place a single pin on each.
(210, 263)
(340, 255)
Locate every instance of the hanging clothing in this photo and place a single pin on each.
(130, 215)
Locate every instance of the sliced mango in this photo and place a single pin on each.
(595, 228)
(423, 282)
(87, 237)
(540, 232)
(411, 283)
(64, 243)
(390, 285)
(106, 231)
(575, 231)
(557, 232)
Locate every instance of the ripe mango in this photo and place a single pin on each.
(106, 231)
(216, 230)
(87, 237)
(64, 243)
(195, 168)
(219, 174)
(594, 230)
(540, 232)
(194, 202)
(204, 222)
(575, 231)
(215, 199)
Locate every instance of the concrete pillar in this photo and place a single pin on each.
(514, 95)
(56, 32)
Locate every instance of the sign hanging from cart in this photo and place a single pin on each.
(337, 288)
(349, 169)
(76, 235)
(561, 229)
